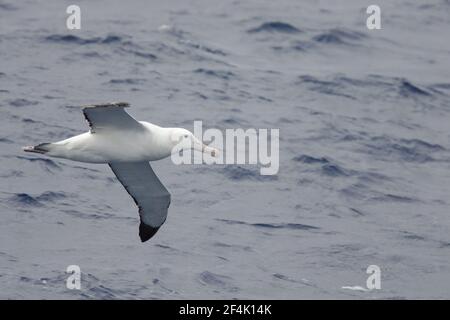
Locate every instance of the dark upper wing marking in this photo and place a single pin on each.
(110, 116)
(149, 194)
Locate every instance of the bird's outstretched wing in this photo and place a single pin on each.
(110, 116)
(149, 194)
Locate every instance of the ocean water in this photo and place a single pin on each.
(364, 120)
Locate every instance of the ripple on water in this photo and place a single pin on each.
(239, 173)
(47, 163)
(275, 26)
(22, 102)
(338, 37)
(291, 226)
(217, 281)
(410, 150)
(24, 199)
(73, 39)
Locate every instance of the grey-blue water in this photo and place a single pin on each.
(364, 119)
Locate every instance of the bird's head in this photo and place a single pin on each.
(183, 139)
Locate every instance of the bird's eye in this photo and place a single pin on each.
(185, 135)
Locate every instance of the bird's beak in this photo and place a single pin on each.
(212, 151)
(198, 145)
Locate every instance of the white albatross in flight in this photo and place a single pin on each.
(127, 146)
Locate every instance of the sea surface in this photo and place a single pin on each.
(364, 177)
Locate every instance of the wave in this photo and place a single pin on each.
(216, 280)
(138, 53)
(238, 173)
(24, 199)
(165, 247)
(338, 36)
(12, 173)
(51, 196)
(48, 163)
(185, 39)
(72, 39)
(22, 102)
(333, 170)
(94, 216)
(221, 74)
(28, 120)
(327, 167)
(6, 140)
(330, 87)
(235, 121)
(203, 48)
(309, 159)
(445, 86)
(291, 226)
(102, 292)
(378, 87)
(394, 198)
(92, 54)
(92, 287)
(411, 236)
(7, 7)
(232, 246)
(275, 26)
(410, 150)
(407, 89)
(130, 81)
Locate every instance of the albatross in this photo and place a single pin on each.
(127, 146)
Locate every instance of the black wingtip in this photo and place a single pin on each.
(146, 232)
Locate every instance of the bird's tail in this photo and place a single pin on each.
(40, 148)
